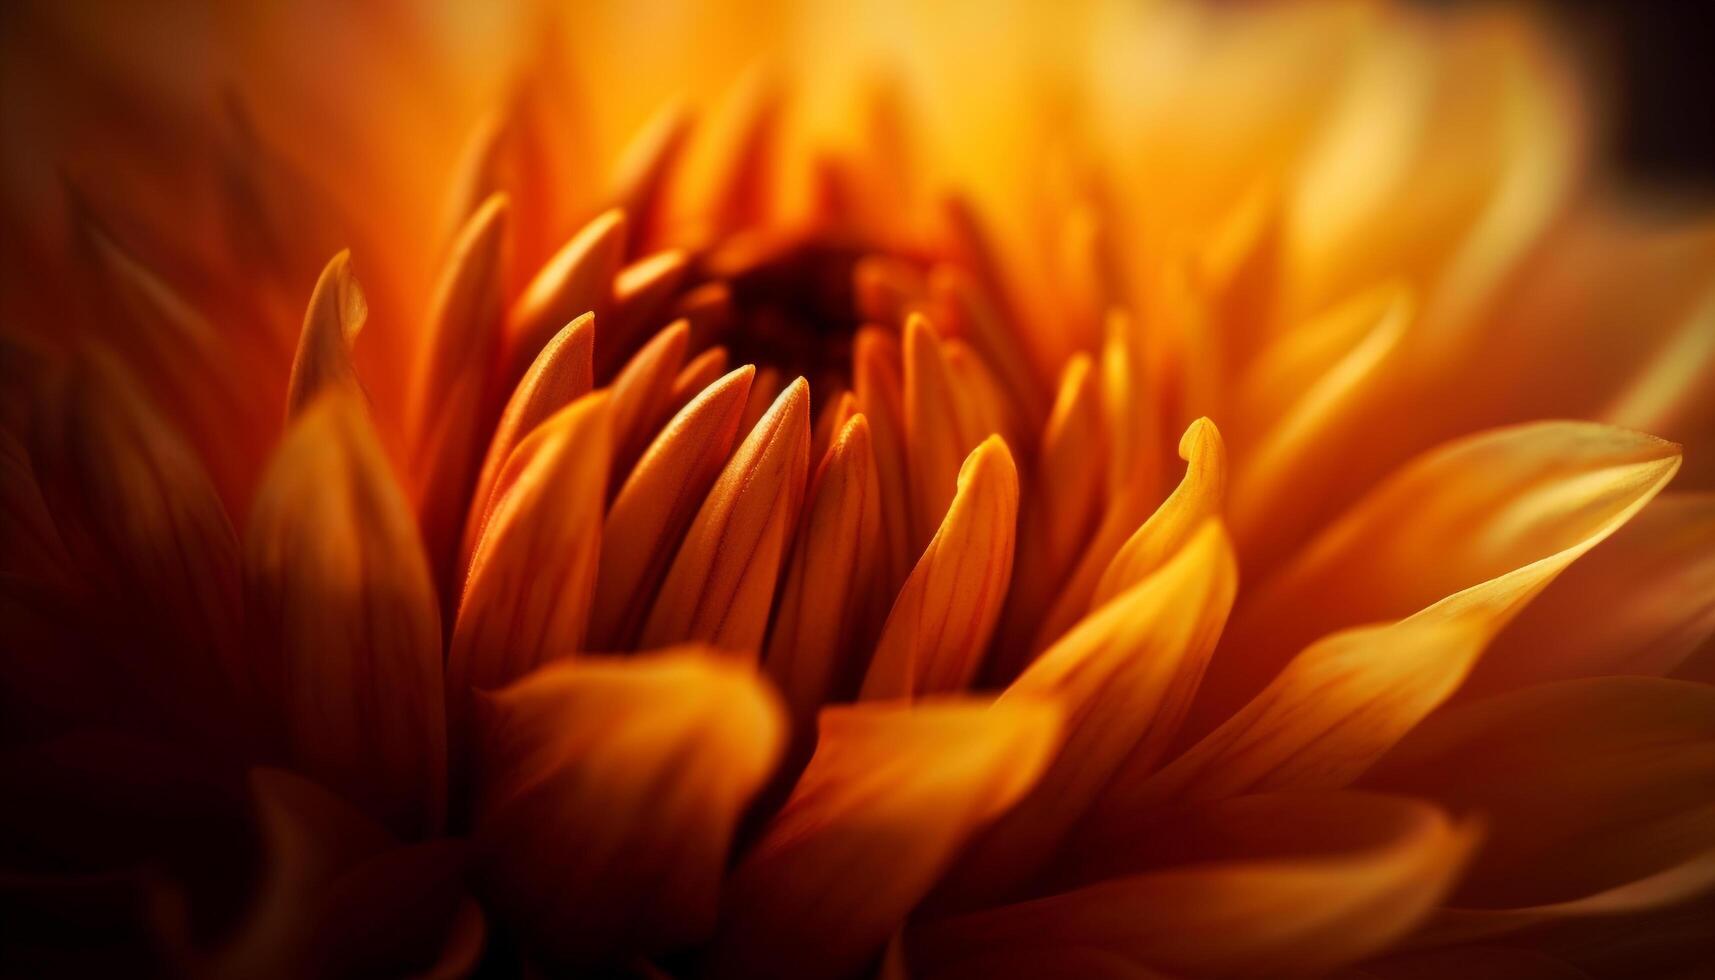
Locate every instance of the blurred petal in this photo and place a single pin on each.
(1124, 677)
(721, 585)
(891, 794)
(577, 280)
(824, 618)
(1584, 785)
(1502, 511)
(941, 623)
(584, 851)
(641, 174)
(336, 314)
(656, 504)
(880, 389)
(532, 577)
(343, 618)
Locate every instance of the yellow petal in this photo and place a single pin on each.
(343, 619)
(562, 374)
(721, 585)
(139, 526)
(1502, 511)
(880, 390)
(450, 407)
(336, 314)
(1585, 785)
(656, 504)
(1638, 603)
(1231, 914)
(532, 576)
(940, 625)
(577, 280)
(828, 605)
(643, 392)
(939, 431)
(890, 795)
(584, 851)
(1197, 498)
(970, 315)
(1124, 677)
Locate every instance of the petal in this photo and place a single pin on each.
(643, 393)
(698, 373)
(1585, 784)
(532, 576)
(721, 585)
(1639, 603)
(764, 389)
(1259, 915)
(939, 429)
(641, 294)
(832, 421)
(577, 280)
(450, 406)
(561, 374)
(1502, 512)
(336, 314)
(970, 315)
(941, 623)
(880, 390)
(660, 496)
(828, 606)
(1124, 677)
(640, 176)
(343, 619)
(583, 850)
(1197, 498)
(888, 798)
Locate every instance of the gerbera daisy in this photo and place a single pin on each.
(1139, 491)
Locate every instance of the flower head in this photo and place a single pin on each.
(1152, 491)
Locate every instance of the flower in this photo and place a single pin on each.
(1152, 491)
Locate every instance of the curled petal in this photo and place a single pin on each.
(1266, 914)
(532, 576)
(561, 374)
(1196, 499)
(721, 585)
(1586, 785)
(656, 504)
(343, 618)
(580, 846)
(1124, 677)
(890, 795)
(1503, 511)
(941, 623)
(336, 314)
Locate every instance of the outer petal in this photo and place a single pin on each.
(610, 791)
(886, 801)
(336, 314)
(721, 585)
(343, 619)
(1585, 784)
(1124, 677)
(527, 599)
(656, 503)
(1271, 899)
(940, 625)
(1502, 512)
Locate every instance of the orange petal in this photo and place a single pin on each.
(143, 529)
(642, 292)
(450, 409)
(643, 393)
(1585, 785)
(344, 621)
(886, 290)
(1124, 677)
(1638, 603)
(828, 605)
(887, 800)
(939, 430)
(832, 421)
(336, 314)
(766, 387)
(1197, 498)
(708, 308)
(970, 315)
(880, 390)
(940, 626)
(656, 504)
(1266, 915)
(721, 585)
(577, 280)
(640, 176)
(532, 576)
(697, 374)
(1502, 511)
(583, 850)
(562, 374)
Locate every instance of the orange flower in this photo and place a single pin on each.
(1081, 507)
